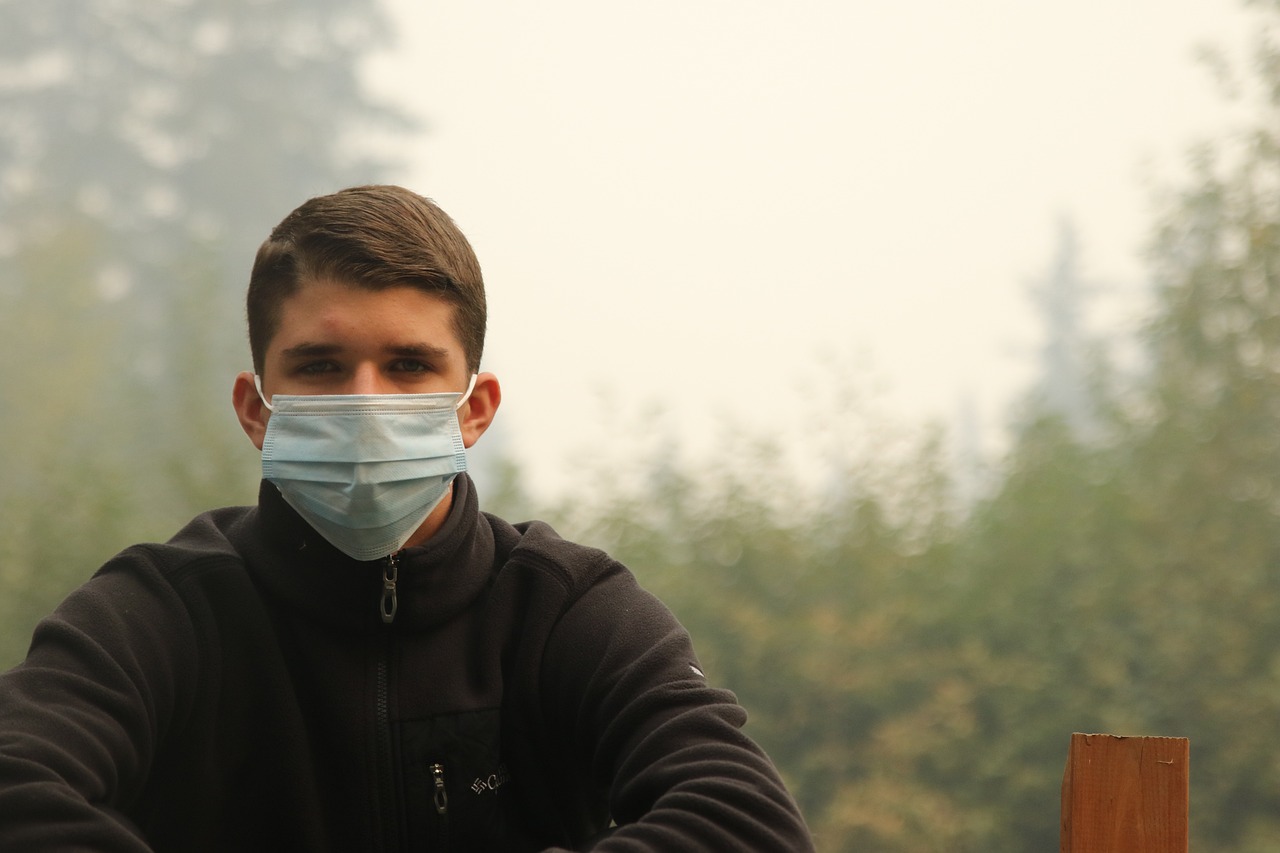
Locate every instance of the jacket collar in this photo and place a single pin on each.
(299, 568)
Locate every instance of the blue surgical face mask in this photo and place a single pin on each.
(365, 470)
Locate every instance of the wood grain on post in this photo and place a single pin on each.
(1125, 795)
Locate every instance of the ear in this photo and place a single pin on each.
(477, 413)
(249, 408)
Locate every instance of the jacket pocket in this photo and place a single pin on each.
(457, 796)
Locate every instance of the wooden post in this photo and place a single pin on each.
(1125, 795)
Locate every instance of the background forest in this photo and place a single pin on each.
(914, 651)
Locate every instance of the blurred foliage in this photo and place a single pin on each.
(145, 151)
(916, 667)
(914, 659)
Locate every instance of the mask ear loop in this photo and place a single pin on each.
(471, 386)
(257, 383)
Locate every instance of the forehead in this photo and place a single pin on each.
(331, 312)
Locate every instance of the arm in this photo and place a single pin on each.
(681, 775)
(82, 716)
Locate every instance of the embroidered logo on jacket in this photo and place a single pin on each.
(493, 781)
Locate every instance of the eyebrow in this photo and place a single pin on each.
(423, 350)
(308, 349)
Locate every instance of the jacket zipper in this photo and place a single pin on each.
(389, 604)
(441, 800)
(386, 760)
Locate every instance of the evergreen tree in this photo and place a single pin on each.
(1206, 475)
(1065, 359)
(145, 151)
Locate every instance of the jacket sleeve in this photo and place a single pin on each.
(621, 674)
(82, 716)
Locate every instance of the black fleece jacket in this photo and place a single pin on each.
(238, 689)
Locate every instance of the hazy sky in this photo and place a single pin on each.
(732, 210)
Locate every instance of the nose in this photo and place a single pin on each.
(366, 379)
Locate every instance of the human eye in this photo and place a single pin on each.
(410, 365)
(316, 368)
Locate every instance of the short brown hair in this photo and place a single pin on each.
(373, 237)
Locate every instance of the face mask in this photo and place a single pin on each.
(364, 470)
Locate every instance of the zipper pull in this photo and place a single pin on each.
(442, 796)
(388, 605)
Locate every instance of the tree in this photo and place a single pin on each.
(1067, 355)
(1206, 471)
(145, 150)
(1137, 576)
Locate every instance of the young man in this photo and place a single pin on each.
(364, 660)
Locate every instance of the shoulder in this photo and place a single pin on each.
(585, 592)
(535, 548)
(161, 608)
(556, 587)
(166, 573)
(134, 644)
(216, 533)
